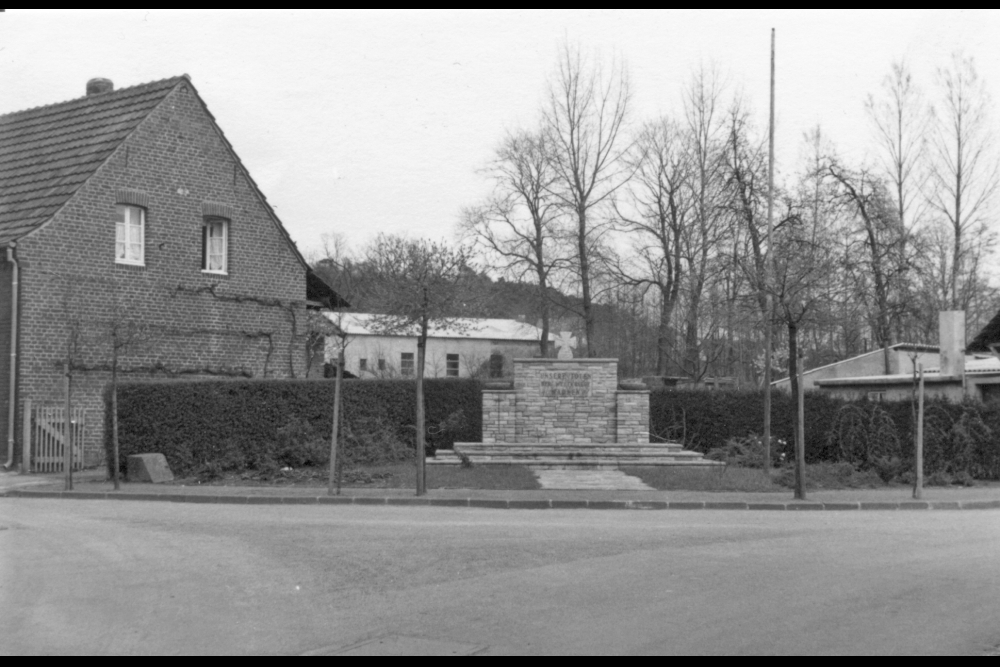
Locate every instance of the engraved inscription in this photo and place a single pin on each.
(565, 384)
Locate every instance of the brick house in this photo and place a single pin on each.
(128, 210)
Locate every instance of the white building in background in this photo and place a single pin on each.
(472, 348)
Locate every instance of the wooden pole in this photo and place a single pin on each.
(918, 484)
(335, 435)
(421, 449)
(800, 429)
(768, 324)
(26, 437)
(68, 435)
(116, 451)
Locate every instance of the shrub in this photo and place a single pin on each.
(746, 452)
(213, 427)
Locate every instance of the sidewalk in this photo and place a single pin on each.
(93, 485)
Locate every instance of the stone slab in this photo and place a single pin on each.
(149, 468)
(589, 479)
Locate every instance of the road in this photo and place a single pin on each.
(119, 577)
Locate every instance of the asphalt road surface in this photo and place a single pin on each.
(119, 577)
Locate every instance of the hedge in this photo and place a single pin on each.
(960, 439)
(238, 424)
(234, 424)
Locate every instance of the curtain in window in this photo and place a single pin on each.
(216, 246)
(128, 233)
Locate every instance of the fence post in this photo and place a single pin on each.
(26, 438)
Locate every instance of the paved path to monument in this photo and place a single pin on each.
(126, 577)
(590, 479)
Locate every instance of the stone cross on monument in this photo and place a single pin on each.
(565, 342)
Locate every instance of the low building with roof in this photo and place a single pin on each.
(469, 347)
(903, 359)
(959, 372)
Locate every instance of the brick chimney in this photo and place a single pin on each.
(951, 339)
(98, 86)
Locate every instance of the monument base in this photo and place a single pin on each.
(559, 455)
(568, 413)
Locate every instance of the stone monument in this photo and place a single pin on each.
(567, 412)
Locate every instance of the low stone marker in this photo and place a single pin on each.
(149, 468)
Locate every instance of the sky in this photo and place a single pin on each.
(360, 122)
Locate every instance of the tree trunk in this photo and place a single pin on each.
(421, 431)
(116, 461)
(793, 374)
(588, 314)
(334, 476)
(543, 343)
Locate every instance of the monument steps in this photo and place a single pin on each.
(578, 414)
(571, 455)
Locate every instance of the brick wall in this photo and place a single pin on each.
(250, 322)
(566, 401)
(499, 416)
(6, 274)
(632, 413)
(570, 401)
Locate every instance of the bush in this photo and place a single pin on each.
(213, 427)
(222, 426)
(958, 437)
(746, 452)
(701, 419)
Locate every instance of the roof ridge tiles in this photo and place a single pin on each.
(172, 81)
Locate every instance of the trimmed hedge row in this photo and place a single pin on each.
(234, 425)
(706, 419)
(959, 438)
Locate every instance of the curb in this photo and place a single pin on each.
(526, 504)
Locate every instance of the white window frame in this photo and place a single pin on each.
(448, 360)
(125, 232)
(209, 223)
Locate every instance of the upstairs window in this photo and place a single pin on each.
(130, 223)
(451, 368)
(215, 245)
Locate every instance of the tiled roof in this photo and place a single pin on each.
(367, 324)
(48, 152)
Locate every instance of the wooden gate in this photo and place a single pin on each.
(48, 437)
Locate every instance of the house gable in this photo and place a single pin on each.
(175, 165)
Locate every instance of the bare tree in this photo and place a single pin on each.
(656, 210)
(704, 132)
(338, 268)
(803, 258)
(965, 174)
(517, 225)
(421, 284)
(585, 118)
(900, 120)
(745, 198)
(883, 261)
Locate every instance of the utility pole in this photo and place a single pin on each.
(768, 324)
